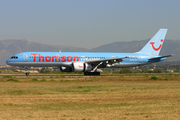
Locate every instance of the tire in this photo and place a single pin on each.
(85, 73)
(98, 73)
(89, 73)
(93, 73)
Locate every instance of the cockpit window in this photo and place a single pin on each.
(14, 57)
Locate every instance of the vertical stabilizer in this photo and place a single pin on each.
(153, 47)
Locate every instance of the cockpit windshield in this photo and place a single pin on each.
(14, 57)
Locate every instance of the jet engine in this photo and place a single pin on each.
(81, 67)
(65, 69)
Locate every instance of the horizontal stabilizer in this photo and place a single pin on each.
(155, 58)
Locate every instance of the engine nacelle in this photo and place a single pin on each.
(65, 69)
(81, 67)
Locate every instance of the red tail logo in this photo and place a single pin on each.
(156, 49)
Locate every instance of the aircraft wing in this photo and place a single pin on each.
(155, 58)
(106, 61)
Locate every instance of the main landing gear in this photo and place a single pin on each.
(26, 69)
(94, 71)
(91, 73)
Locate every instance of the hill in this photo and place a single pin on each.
(11, 47)
(169, 47)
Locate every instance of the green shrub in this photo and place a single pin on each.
(62, 76)
(125, 70)
(43, 79)
(34, 79)
(13, 80)
(7, 76)
(57, 77)
(157, 71)
(176, 70)
(155, 78)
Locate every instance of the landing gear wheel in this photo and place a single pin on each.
(92, 73)
(27, 74)
(89, 73)
(97, 73)
(85, 73)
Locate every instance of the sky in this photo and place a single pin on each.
(87, 23)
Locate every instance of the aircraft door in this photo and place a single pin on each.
(25, 57)
(140, 59)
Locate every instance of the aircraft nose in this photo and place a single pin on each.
(8, 61)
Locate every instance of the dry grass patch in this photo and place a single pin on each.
(90, 98)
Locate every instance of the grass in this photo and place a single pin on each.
(90, 98)
(11, 79)
(34, 79)
(7, 76)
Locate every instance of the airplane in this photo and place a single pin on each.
(88, 62)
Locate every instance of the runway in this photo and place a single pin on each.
(76, 75)
(54, 75)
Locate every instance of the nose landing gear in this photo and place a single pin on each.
(27, 73)
(26, 69)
